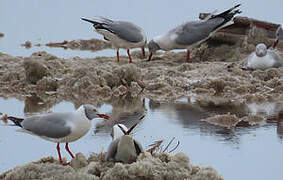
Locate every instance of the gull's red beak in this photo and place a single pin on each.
(275, 43)
(104, 116)
(149, 57)
(261, 54)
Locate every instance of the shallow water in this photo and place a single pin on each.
(253, 152)
(53, 21)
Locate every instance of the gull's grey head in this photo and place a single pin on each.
(261, 50)
(90, 111)
(279, 33)
(152, 46)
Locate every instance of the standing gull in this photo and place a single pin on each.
(121, 34)
(59, 127)
(192, 33)
(263, 58)
(279, 36)
(123, 148)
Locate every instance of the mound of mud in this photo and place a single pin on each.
(158, 166)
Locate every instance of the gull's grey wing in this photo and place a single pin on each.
(138, 146)
(126, 31)
(51, 125)
(112, 150)
(195, 31)
(277, 57)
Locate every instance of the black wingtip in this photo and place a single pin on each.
(142, 117)
(238, 5)
(15, 120)
(131, 129)
(125, 132)
(88, 20)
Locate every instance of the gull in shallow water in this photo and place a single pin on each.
(123, 148)
(192, 33)
(121, 34)
(279, 36)
(263, 58)
(59, 127)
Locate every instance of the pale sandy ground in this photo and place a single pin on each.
(215, 78)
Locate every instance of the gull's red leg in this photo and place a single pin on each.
(67, 148)
(59, 154)
(188, 56)
(149, 57)
(128, 51)
(275, 43)
(143, 52)
(118, 55)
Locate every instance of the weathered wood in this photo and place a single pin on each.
(242, 25)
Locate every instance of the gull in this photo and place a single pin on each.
(279, 36)
(192, 33)
(263, 58)
(59, 127)
(123, 148)
(121, 34)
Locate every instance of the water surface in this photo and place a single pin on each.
(253, 152)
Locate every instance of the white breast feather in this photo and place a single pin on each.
(256, 62)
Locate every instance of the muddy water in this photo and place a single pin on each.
(253, 152)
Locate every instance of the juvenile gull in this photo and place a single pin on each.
(192, 33)
(59, 127)
(123, 148)
(121, 34)
(263, 58)
(279, 36)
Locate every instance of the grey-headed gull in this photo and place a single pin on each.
(279, 36)
(121, 34)
(123, 148)
(263, 58)
(192, 33)
(59, 127)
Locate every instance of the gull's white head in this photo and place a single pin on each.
(91, 112)
(116, 131)
(261, 50)
(152, 48)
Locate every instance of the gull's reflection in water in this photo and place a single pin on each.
(189, 116)
(126, 110)
(35, 105)
(273, 114)
(279, 120)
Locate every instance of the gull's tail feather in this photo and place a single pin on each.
(91, 21)
(100, 25)
(15, 120)
(209, 15)
(228, 16)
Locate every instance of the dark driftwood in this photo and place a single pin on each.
(242, 29)
(242, 25)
